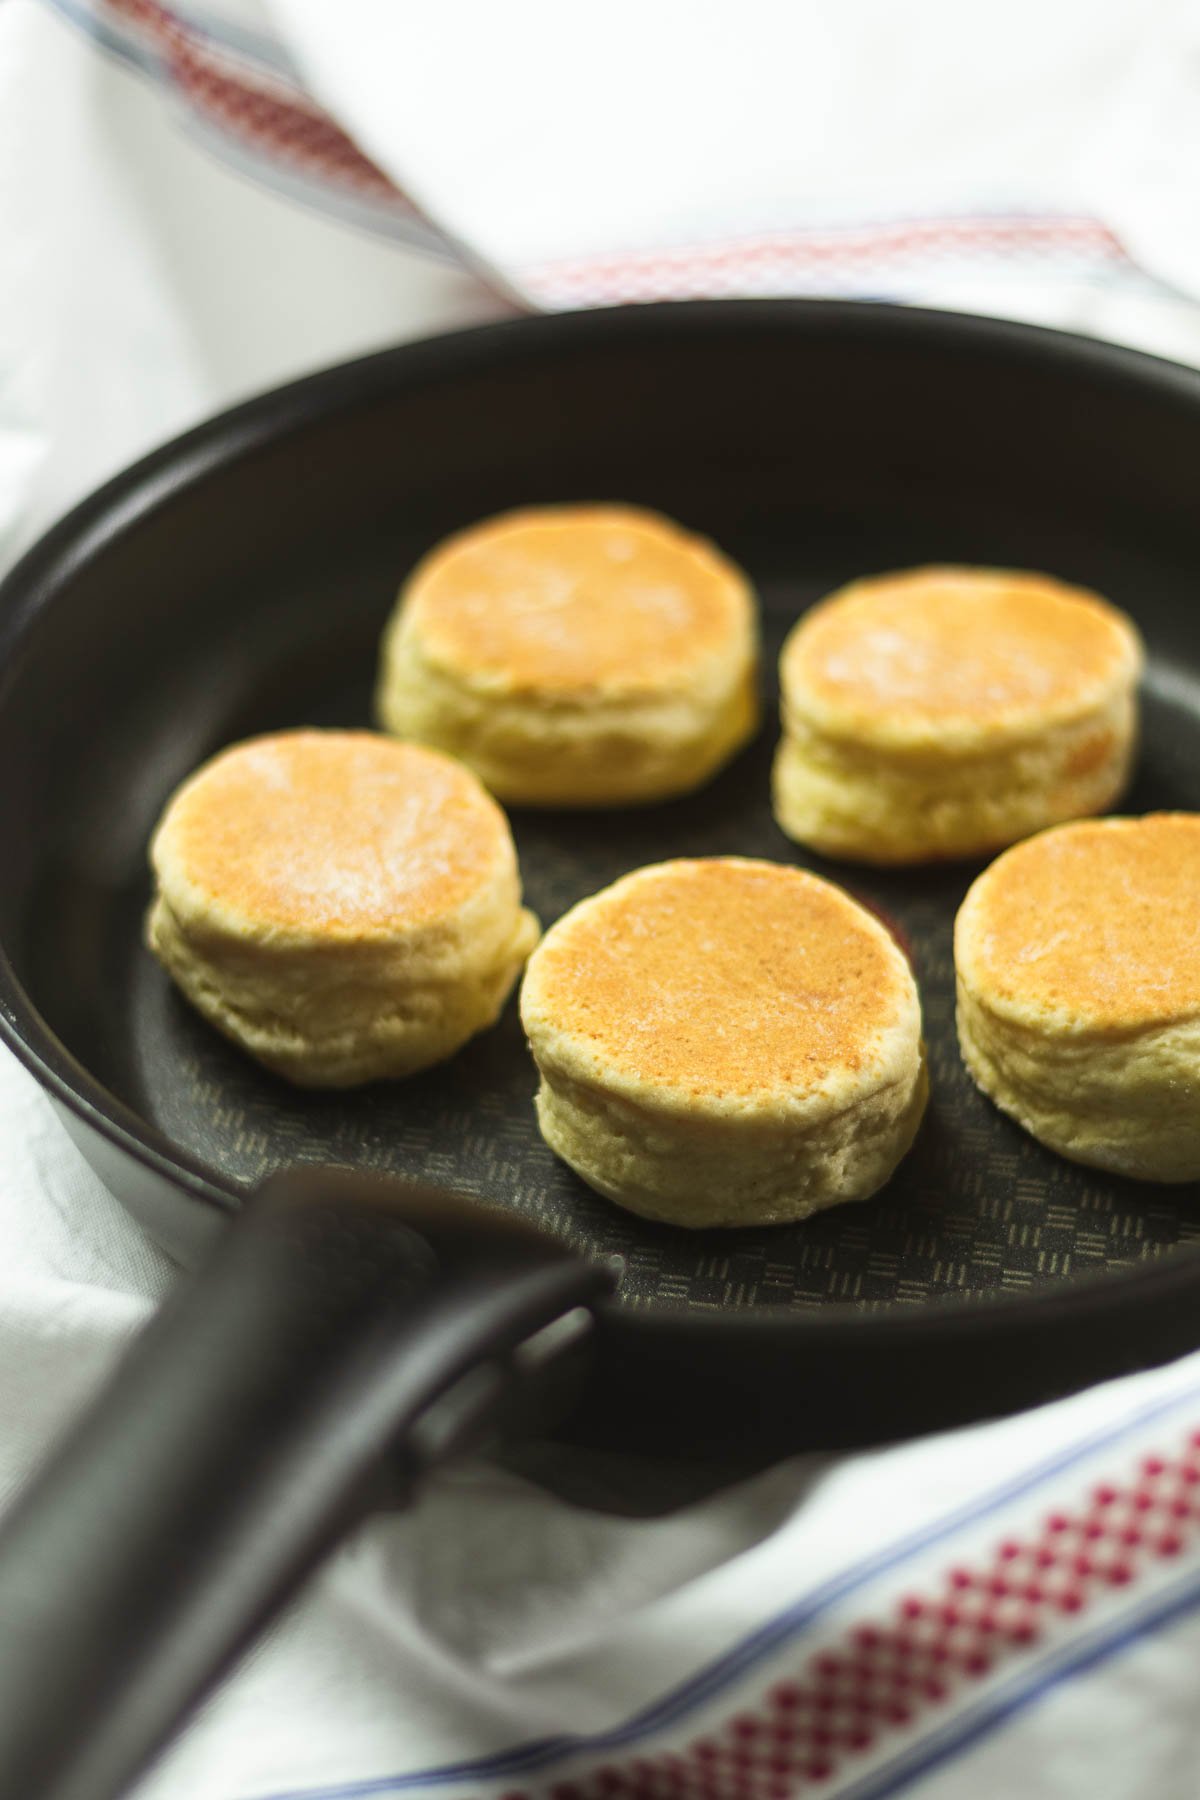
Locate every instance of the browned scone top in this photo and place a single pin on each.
(571, 599)
(330, 834)
(724, 978)
(941, 654)
(1096, 922)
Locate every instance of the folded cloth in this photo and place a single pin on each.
(162, 259)
(1037, 161)
(216, 199)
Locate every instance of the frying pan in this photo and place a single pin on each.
(237, 581)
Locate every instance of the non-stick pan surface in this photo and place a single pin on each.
(238, 581)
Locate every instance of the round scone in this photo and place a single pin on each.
(575, 656)
(342, 906)
(945, 712)
(725, 1042)
(1078, 960)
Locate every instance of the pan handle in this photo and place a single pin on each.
(344, 1325)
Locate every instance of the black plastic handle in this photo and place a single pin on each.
(341, 1321)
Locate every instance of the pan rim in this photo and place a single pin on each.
(135, 492)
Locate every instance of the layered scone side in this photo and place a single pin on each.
(1078, 974)
(1115, 1103)
(344, 908)
(575, 656)
(718, 1172)
(894, 806)
(944, 712)
(725, 1042)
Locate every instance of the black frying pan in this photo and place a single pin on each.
(237, 581)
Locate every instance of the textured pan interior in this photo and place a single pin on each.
(253, 598)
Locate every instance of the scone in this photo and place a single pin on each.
(1078, 959)
(725, 1042)
(575, 656)
(946, 712)
(342, 906)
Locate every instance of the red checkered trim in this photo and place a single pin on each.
(266, 113)
(785, 261)
(887, 1675)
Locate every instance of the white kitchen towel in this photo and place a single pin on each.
(153, 270)
(197, 201)
(1031, 159)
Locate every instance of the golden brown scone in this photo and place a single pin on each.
(945, 712)
(342, 906)
(725, 1042)
(1078, 959)
(575, 656)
